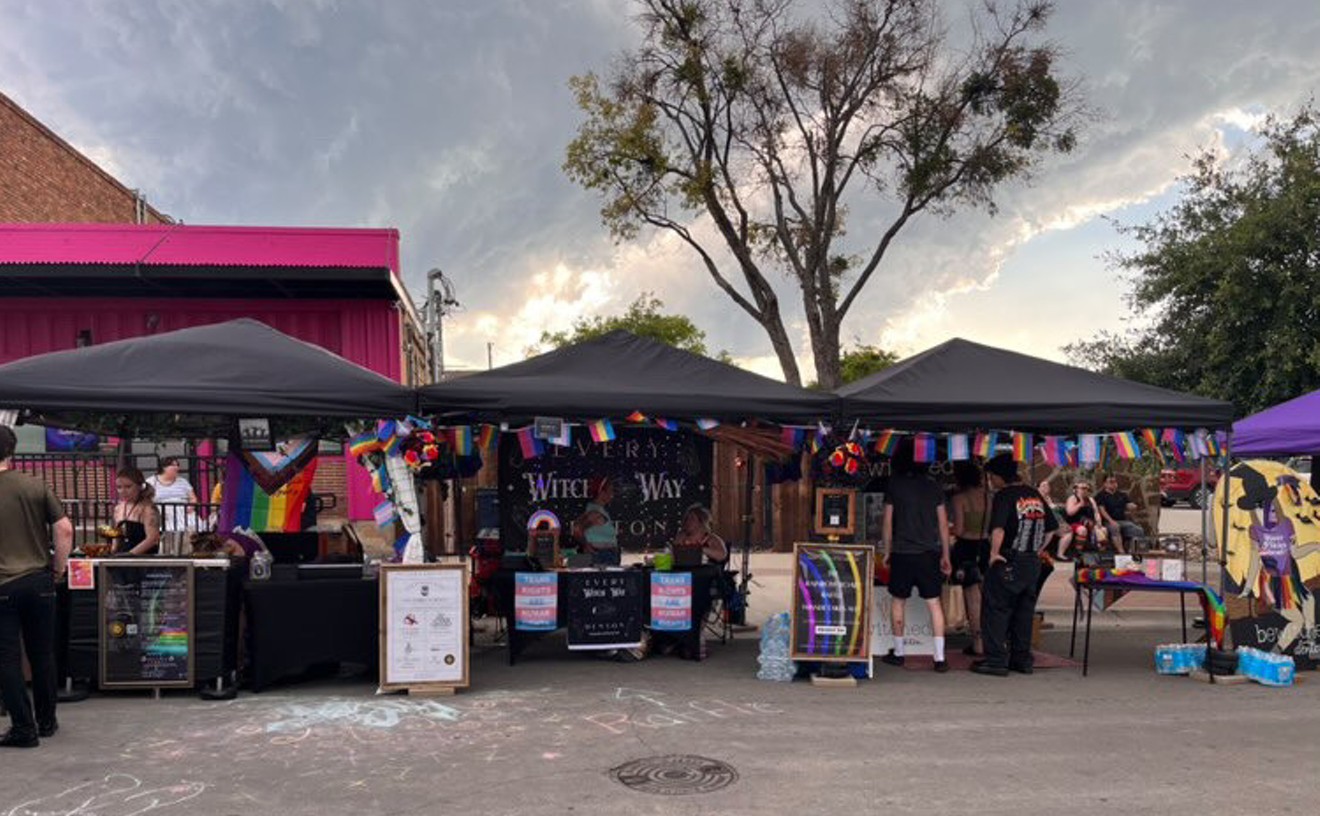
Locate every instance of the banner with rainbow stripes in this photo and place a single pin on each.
(244, 503)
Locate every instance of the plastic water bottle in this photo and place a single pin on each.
(774, 662)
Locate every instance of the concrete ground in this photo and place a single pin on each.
(543, 736)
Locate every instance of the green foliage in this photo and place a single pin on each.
(1230, 278)
(863, 361)
(644, 319)
(772, 119)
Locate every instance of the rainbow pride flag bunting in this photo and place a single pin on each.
(1177, 442)
(923, 448)
(462, 440)
(363, 444)
(486, 438)
(602, 430)
(960, 448)
(886, 442)
(636, 417)
(1151, 438)
(531, 446)
(985, 444)
(667, 424)
(708, 424)
(1021, 447)
(793, 437)
(1126, 443)
(1211, 443)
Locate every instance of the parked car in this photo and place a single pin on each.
(1301, 465)
(1184, 485)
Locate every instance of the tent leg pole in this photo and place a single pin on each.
(1205, 531)
(1227, 479)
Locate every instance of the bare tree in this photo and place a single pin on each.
(769, 121)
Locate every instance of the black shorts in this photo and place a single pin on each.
(915, 570)
(971, 561)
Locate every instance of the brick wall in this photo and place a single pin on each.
(43, 178)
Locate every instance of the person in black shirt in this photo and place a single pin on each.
(1020, 526)
(916, 548)
(1114, 505)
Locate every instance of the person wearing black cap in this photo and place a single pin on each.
(1020, 526)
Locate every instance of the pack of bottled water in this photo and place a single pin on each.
(774, 661)
(1179, 658)
(1266, 668)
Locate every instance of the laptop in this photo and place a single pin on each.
(688, 557)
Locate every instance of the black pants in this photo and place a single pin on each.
(1009, 602)
(27, 608)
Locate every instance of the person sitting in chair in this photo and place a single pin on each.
(1083, 517)
(1114, 506)
(695, 531)
(594, 529)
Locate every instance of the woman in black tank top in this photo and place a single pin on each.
(135, 515)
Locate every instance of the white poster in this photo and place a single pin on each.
(918, 631)
(425, 626)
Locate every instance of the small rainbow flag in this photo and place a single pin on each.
(708, 424)
(462, 440)
(1089, 449)
(886, 442)
(960, 448)
(636, 417)
(531, 446)
(1054, 450)
(667, 424)
(380, 480)
(1021, 447)
(602, 430)
(985, 444)
(1211, 444)
(1126, 443)
(386, 428)
(1151, 438)
(363, 443)
(486, 438)
(923, 448)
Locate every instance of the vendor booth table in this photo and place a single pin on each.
(299, 622)
(707, 581)
(214, 637)
(1102, 580)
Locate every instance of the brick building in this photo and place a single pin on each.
(44, 178)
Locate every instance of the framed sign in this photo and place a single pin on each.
(671, 601)
(831, 604)
(254, 435)
(536, 601)
(836, 511)
(605, 608)
(424, 627)
(146, 612)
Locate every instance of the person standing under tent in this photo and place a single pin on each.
(175, 500)
(28, 572)
(916, 548)
(1020, 527)
(595, 529)
(971, 544)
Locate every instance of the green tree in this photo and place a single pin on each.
(643, 318)
(1229, 278)
(772, 118)
(863, 361)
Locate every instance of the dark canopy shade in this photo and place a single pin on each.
(1289, 428)
(240, 368)
(617, 374)
(961, 386)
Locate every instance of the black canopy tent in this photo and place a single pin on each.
(618, 373)
(241, 368)
(960, 386)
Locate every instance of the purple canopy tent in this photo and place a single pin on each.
(1290, 428)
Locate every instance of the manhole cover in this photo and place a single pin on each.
(675, 774)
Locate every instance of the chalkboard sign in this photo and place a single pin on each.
(606, 609)
(656, 475)
(146, 614)
(831, 605)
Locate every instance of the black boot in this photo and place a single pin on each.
(20, 738)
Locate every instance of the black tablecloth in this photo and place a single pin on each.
(294, 625)
(705, 581)
(216, 592)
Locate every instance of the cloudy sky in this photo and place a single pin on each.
(448, 119)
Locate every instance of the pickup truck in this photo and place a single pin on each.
(1184, 485)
